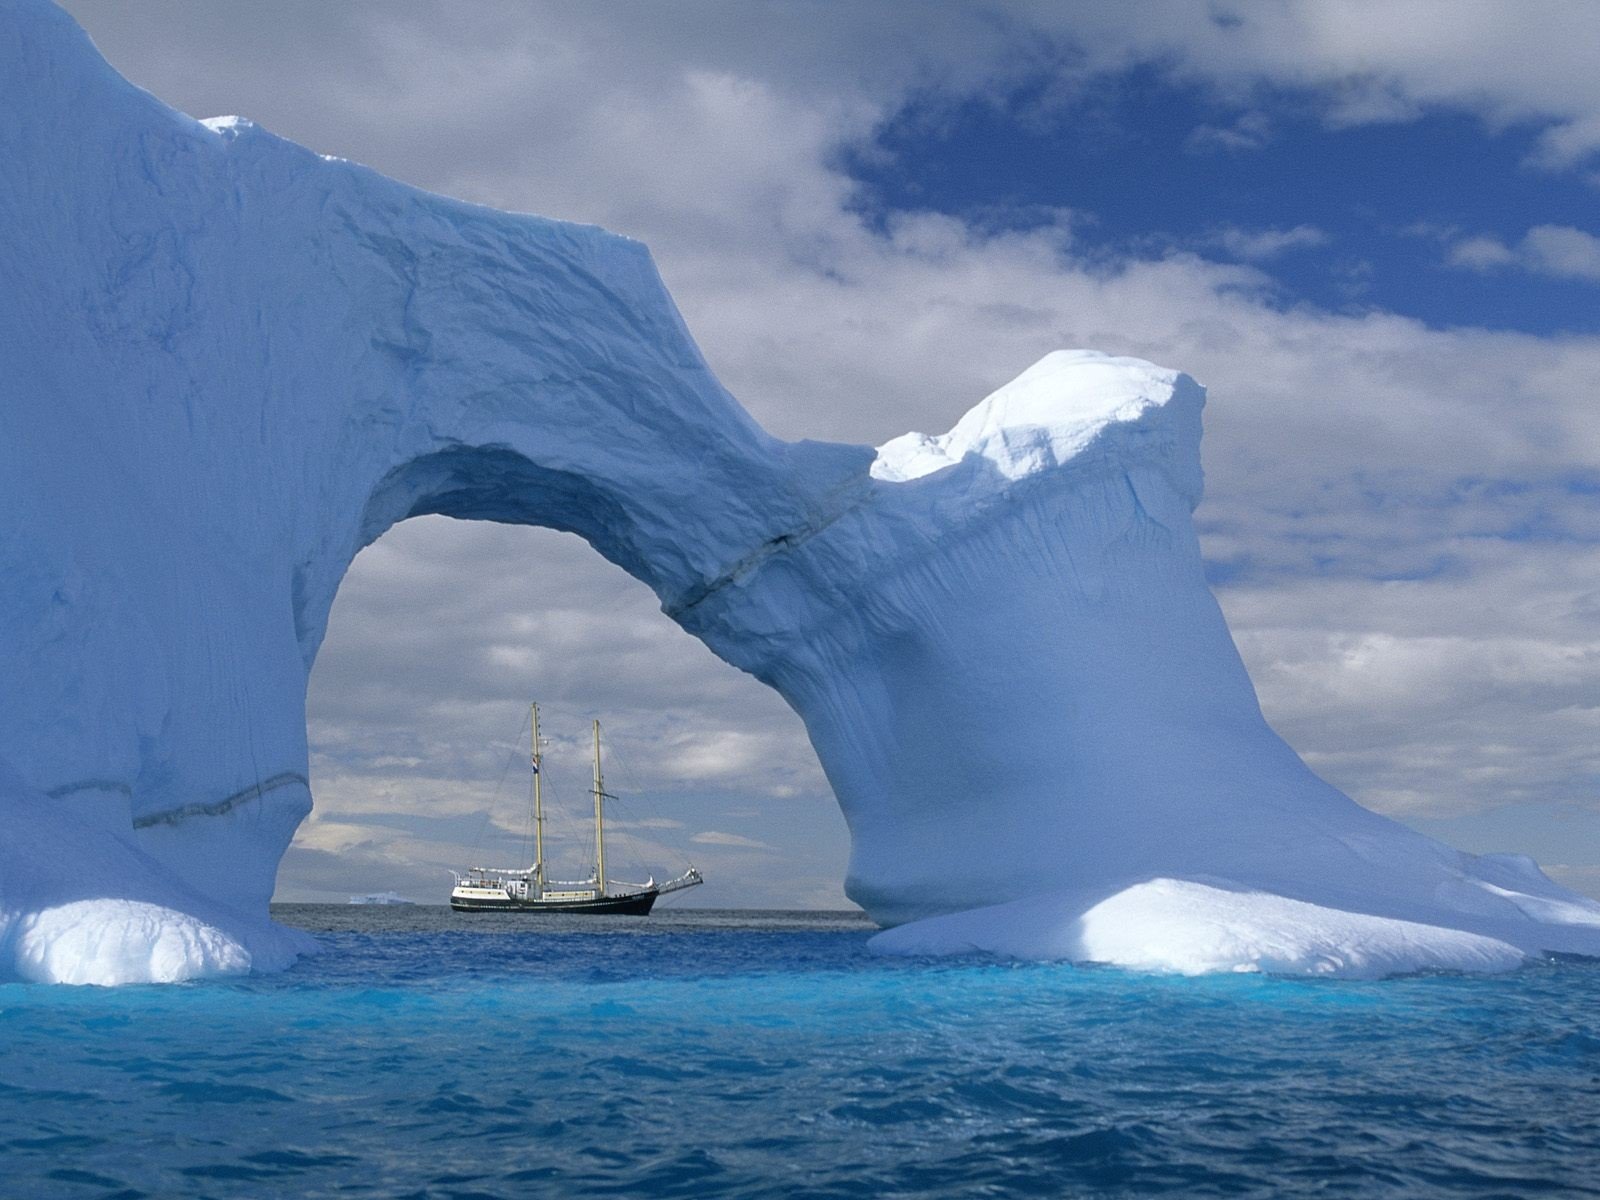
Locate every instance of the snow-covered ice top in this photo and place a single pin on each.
(1044, 418)
(231, 363)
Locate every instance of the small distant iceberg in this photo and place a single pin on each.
(381, 898)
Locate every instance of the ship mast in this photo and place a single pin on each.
(599, 819)
(538, 807)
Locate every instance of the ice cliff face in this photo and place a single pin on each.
(230, 364)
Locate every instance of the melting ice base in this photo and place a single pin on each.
(231, 364)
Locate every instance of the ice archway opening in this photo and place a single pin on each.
(443, 630)
(505, 486)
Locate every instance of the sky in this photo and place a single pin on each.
(1369, 228)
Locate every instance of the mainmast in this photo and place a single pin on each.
(599, 818)
(538, 807)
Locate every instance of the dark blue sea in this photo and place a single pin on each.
(707, 1054)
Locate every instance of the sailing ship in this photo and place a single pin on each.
(498, 889)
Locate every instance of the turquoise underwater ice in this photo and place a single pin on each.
(749, 1055)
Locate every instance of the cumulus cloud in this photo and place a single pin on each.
(1250, 131)
(1394, 508)
(1480, 253)
(1372, 62)
(1559, 251)
(713, 837)
(1259, 245)
(1462, 691)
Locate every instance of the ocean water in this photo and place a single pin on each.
(702, 1054)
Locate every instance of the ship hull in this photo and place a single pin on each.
(632, 904)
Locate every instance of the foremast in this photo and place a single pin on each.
(538, 805)
(599, 819)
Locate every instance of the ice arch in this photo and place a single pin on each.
(230, 364)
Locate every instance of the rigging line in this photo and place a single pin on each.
(624, 810)
(563, 829)
(631, 783)
(570, 832)
(626, 837)
(527, 837)
(570, 827)
(494, 801)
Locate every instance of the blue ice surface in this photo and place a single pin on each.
(696, 1054)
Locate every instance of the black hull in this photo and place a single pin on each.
(633, 904)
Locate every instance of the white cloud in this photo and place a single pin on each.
(713, 837)
(1259, 245)
(1559, 251)
(1441, 696)
(1563, 251)
(1374, 62)
(1480, 253)
(1251, 131)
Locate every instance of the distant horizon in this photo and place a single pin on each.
(488, 922)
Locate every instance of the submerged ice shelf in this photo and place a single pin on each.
(231, 364)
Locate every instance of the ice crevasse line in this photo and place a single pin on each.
(233, 363)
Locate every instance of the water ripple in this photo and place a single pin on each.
(748, 1056)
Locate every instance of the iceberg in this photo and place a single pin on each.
(231, 364)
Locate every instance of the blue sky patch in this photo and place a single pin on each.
(1344, 218)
